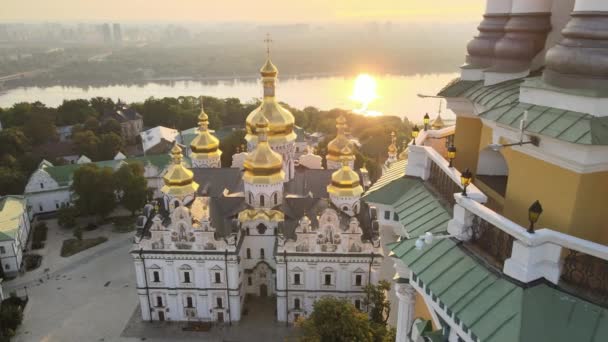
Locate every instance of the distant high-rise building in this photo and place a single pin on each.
(107, 33)
(117, 31)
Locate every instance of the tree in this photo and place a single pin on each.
(13, 142)
(132, 186)
(229, 146)
(86, 142)
(66, 217)
(11, 316)
(12, 181)
(109, 145)
(334, 319)
(39, 126)
(102, 104)
(94, 188)
(72, 112)
(379, 309)
(111, 126)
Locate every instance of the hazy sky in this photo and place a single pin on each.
(240, 10)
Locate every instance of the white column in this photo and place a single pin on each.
(405, 317)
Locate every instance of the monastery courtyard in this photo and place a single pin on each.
(90, 297)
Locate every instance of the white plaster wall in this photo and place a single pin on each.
(48, 200)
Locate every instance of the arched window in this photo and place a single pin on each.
(248, 253)
(344, 208)
(262, 253)
(261, 228)
(275, 198)
(261, 200)
(176, 203)
(296, 303)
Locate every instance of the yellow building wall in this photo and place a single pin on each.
(466, 141)
(422, 311)
(572, 203)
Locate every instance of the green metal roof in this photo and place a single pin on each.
(63, 174)
(386, 195)
(11, 209)
(418, 208)
(502, 106)
(494, 308)
(570, 126)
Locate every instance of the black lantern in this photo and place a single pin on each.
(451, 154)
(427, 120)
(465, 180)
(533, 214)
(415, 132)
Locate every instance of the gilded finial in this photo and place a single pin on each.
(268, 41)
(176, 153)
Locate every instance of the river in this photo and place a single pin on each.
(397, 95)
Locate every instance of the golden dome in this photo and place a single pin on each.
(345, 182)
(204, 145)
(263, 165)
(269, 69)
(392, 148)
(179, 180)
(280, 120)
(336, 146)
(438, 123)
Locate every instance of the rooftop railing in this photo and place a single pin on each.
(575, 265)
(429, 164)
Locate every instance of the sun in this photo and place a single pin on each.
(365, 90)
(364, 93)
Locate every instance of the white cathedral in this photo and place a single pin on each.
(270, 226)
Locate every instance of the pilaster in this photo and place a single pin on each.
(405, 316)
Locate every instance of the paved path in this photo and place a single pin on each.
(91, 297)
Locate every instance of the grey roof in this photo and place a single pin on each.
(296, 208)
(305, 194)
(213, 181)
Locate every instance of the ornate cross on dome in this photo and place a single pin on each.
(268, 41)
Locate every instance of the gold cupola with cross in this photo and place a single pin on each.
(345, 188)
(178, 179)
(205, 146)
(280, 120)
(336, 147)
(263, 165)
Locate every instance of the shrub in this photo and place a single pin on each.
(40, 232)
(78, 234)
(73, 246)
(66, 217)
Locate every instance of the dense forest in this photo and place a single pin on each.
(27, 127)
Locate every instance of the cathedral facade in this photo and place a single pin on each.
(271, 228)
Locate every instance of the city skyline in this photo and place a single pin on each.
(241, 11)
